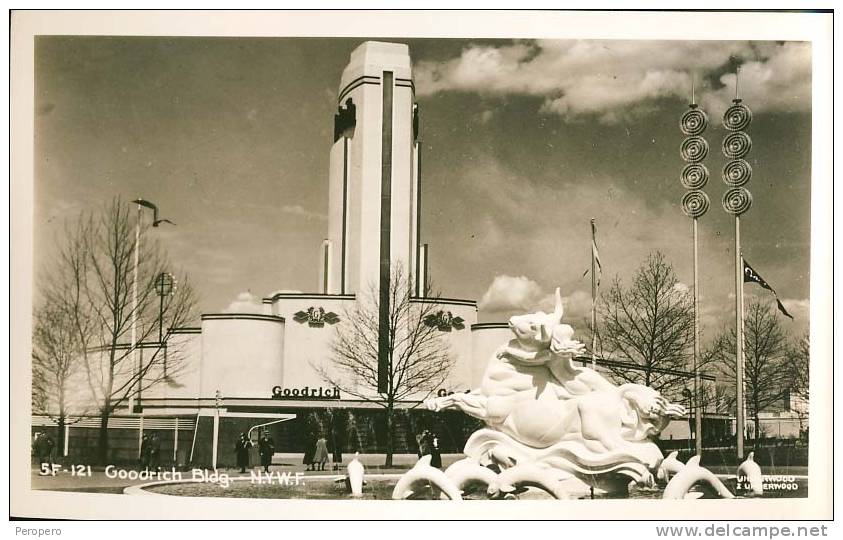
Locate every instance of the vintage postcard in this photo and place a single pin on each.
(523, 262)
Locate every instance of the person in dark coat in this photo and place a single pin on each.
(435, 455)
(337, 452)
(44, 451)
(154, 451)
(309, 448)
(266, 448)
(144, 452)
(241, 450)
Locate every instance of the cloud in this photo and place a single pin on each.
(298, 210)
(781, 82)
(507, 293)
(245, 302)
(615, 79)
(576, 305)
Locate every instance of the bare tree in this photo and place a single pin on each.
(799, 357)
(96, 270)
(651, 323)
(417, 354)
(57, 368)
(767, 373)
(799, 363)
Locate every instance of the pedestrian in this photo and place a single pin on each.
(309, 449)
(241, 450)
(320, 453)
(435, 455)
(43, 447)
(337, 452)
(144, 452)
(266, 448)
(154, 452)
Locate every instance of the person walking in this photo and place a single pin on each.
(337, 452)
(241, 451)
(144, 453)
(309, 449)
(44, 452)
(266, 448)
(154, 452)
(435, 455)
(320, 453)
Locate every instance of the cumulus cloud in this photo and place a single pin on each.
(614, 79)
(298, 210)
(245, 302)
(507, 293)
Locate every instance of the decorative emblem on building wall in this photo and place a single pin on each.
(316, 317)
(444, 321)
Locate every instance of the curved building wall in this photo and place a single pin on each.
(486, 338)
(242, 355)
(458, 339)
(307, 336)
(308, 342)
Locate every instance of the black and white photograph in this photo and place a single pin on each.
(541, 263)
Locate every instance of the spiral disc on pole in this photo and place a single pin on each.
(737, 172)
(737, 117)
(693, 121)
(695, 203)
(694, 176)
(736, 145)
(693, 149)
(737, 200)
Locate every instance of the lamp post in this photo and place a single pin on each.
(165, 285)
(141, 203)
(695, 204)
(736, 201)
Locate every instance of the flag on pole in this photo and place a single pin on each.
(598, 269)
(751, 276)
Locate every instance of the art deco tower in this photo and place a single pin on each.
(374, 173)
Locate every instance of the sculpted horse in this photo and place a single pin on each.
(533, 395)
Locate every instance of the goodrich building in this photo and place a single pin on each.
(249, 370)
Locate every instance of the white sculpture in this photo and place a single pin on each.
(421, 477)
(355, 476)
(693, 474)
(750, 473)
(551, 421)
(465, 474)
(669, 467)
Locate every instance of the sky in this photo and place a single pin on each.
(523, 143)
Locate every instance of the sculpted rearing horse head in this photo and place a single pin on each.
(534, 331)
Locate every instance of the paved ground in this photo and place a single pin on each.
(99, 482)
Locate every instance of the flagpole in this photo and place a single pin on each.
(739, 428)
(135, 305)
(697, 411)
(593, 301)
